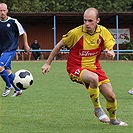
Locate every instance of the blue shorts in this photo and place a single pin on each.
(6, 58)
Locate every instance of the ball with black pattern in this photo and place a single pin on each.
(23, 79)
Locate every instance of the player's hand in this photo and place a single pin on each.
(45, 68)
(110, 54)
(27, 48)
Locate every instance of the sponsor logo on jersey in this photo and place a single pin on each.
(87, 53)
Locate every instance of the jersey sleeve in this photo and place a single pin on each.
(68, 39)
(20, 28)
(109, 40)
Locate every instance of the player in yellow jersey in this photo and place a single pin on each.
(86, 43)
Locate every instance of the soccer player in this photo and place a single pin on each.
(86, 43)
(10, 30)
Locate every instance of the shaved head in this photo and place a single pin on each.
(3, 5)
(91, 19)
(93, 11)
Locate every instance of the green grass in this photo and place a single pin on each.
(54, 104)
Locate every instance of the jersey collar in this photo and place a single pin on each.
(5, 20)
(98, 29)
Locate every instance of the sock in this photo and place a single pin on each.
(111, 108)
(5, 77)
(11, 77)
(94, 95)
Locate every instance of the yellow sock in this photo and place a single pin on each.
(111, 108)
(94, 95)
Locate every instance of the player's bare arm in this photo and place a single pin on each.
(25, 41)
(55, 51)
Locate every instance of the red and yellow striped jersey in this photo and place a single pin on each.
(85, 48)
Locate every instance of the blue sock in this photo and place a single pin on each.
(11, 77)
(5, 77)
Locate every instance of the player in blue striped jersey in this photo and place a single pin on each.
(10, 30)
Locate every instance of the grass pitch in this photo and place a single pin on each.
(54, 104)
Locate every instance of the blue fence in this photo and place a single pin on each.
(118, 52)
(49, 50)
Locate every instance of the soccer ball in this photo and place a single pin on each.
(23, 79)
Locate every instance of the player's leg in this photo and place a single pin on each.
(17, 90)
(92, 79)
(11, 76)
(4, 61)
(4, 75)
(111, 103)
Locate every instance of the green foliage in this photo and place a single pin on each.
(113, 6)
(68, 6)
(128, 45)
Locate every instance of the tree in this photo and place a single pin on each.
(128, 45)
(68, 6)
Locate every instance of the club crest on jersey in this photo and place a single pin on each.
(8, 25)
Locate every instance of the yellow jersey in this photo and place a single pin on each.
(85, 48)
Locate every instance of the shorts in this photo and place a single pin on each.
(6, 58)
(76, 73)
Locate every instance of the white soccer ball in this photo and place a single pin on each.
(23, 79)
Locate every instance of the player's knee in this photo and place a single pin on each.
(94, 81)
(95, 78)
(90, 78)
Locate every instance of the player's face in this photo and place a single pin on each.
(3, 12)
(90, 21)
